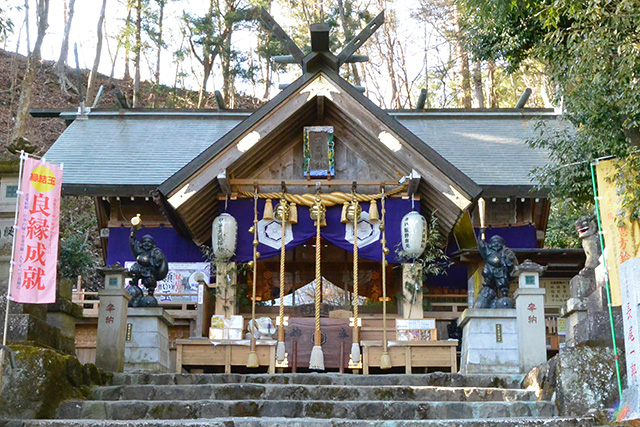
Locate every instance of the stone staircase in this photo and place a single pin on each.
(438, 399)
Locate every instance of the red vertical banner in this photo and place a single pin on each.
(35, 258)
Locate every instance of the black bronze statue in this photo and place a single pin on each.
(500, 263)
(150, 267)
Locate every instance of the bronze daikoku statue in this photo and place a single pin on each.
(500, 263)
(150, 267)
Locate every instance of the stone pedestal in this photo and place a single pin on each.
(112, 316)
(575, 313)
(531, 327)
(489, 342)
(412, 273)
(147, 345)
(63, 315)
(27, 323)
(587, 320)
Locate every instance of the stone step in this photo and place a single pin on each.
(434, 379)
(309, 392)
(351, 410)
(310, 422)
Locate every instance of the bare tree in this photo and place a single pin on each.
(64, 82)
(492, 99)
(136, 53)
(159, 41)
(478, 96)
(96, 60)
(22, 114)
(463, 61)
(348, 35)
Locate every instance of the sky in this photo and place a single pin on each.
(84, 34)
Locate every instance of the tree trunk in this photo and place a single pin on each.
(203, 87)
(27, 26)
(161, 3)
(127, 47)
(33, 61)
(228, 90)
(478, 96)
(463, 62)
(64, 47)
(96, 60)
(492, 100)
(136, 53)
(348, 35)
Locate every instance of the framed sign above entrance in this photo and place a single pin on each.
(319, 152)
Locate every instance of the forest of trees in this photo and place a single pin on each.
(222, 45)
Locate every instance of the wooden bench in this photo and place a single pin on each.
(204, 352)
(411, 354)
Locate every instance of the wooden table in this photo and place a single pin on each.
(410, 354)
(204, 352)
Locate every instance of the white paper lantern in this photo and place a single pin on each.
(223, 236)
(414, 233)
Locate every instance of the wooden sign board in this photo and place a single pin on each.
(416, 330)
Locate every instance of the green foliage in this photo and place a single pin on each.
(79, 241)
(591, 50)
(433, 261)
(561, 230)
(6, 25)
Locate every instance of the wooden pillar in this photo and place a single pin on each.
(226, 284)
(412, 293)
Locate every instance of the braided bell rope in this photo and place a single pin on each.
(384, 274)
(317, 336)
(355, 271)
(328, 200)
(282, 259)
(255, 272)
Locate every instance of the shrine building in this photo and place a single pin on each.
(320, 139)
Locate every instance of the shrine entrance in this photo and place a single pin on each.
(337, 281)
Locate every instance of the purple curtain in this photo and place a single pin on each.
(333, 232)
(175, 248)
(515, 237)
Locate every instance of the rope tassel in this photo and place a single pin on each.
(373, 211)
(268, 210)
(293, 213)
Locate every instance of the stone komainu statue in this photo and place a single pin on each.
(150, 267)
(584, 283)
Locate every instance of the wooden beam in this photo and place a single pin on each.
(414, 182)
(224, 183)
(309, 183)
(320, 108)
(359, 40)
(281, 35)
